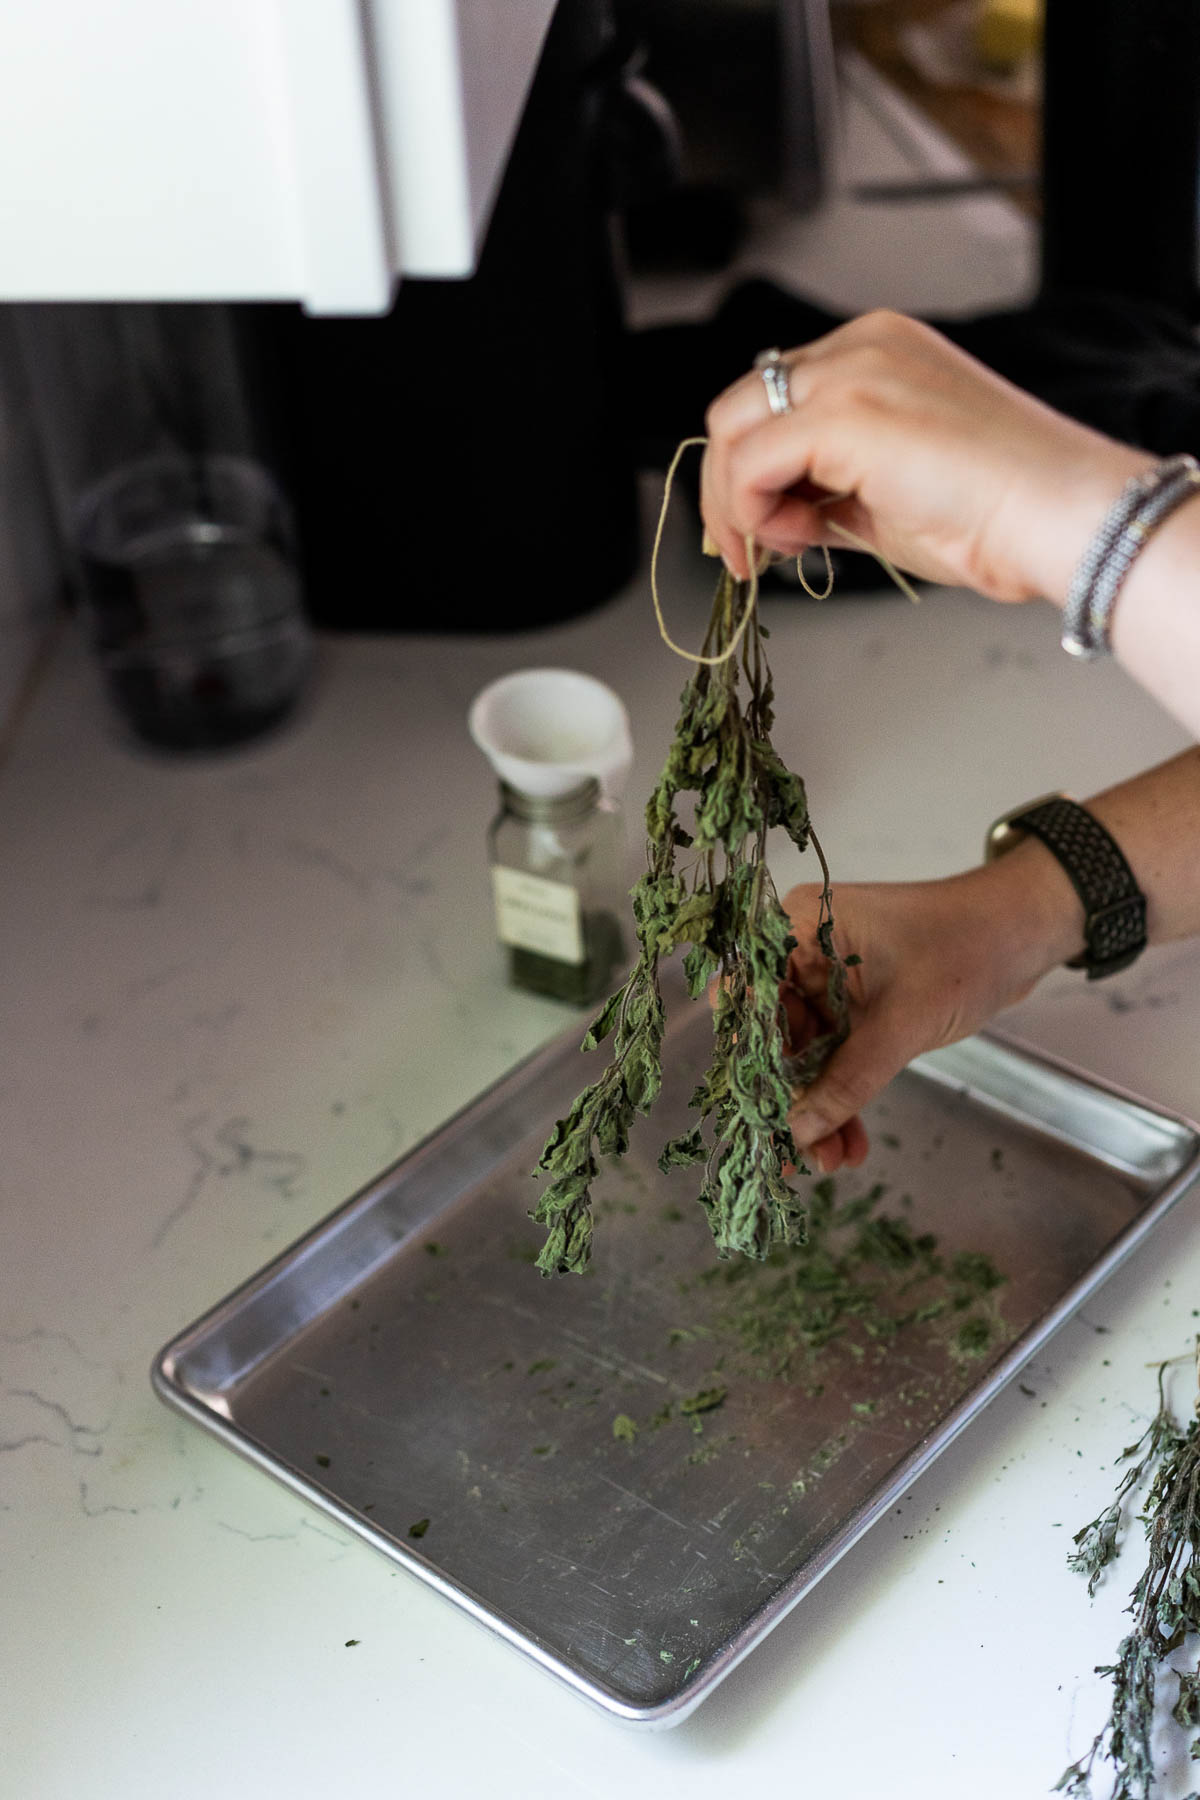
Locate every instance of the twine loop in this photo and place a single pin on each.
(752, 563)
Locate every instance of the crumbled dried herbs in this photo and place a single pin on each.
(720, 906)
(707, 1400)
(1165, 1603)
(863, 1287)
(863, 1278)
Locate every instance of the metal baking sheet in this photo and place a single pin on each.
(405, 1368)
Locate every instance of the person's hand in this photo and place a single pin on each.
(895, 433)
(938, 959)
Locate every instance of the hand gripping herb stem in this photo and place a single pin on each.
(1165, 1603)
(721, 904)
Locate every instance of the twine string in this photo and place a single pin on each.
(752, 563)
(812, 592)
(751, 560)
(860, 543)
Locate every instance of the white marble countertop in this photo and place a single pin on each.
(235, 989)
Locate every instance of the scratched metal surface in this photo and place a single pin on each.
(406, 1363)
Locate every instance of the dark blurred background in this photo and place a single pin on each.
(501, 422)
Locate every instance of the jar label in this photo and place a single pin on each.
(535, 914)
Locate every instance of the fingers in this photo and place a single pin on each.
(731, 514)
(825, 1116)
(846, 1148)
(833, 1133)
(742, 411)
(781, 481)
(756, 459)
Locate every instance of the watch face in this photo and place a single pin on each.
(1001, 837)
(1006, 833)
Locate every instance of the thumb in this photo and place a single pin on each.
(857, 1071)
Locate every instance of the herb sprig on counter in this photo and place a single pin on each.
(1165, 1603)
(721, 907)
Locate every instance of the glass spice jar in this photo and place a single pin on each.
(558, 882)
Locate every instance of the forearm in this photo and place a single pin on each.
(1155, 818)
(1156, 624)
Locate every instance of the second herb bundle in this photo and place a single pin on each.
(1165, 1603)
(723, 775)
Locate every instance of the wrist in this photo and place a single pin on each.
(1064, 504)
(1029, 919)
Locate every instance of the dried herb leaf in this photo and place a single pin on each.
(707, 1400)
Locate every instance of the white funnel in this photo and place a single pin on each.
(544, 731)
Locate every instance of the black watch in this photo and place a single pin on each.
(1114, 931)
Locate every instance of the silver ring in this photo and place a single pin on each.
(776, 378)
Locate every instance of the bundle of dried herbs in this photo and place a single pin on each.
(1165, 1604)
(707, 889)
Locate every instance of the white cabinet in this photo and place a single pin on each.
(311, 150)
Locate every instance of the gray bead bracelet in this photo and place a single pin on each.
(1141, 507)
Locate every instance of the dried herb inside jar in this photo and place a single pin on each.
(707, 892)
(555, 860)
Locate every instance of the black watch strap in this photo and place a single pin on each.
(1115, 907)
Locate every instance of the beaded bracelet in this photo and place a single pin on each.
(1140, 508)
